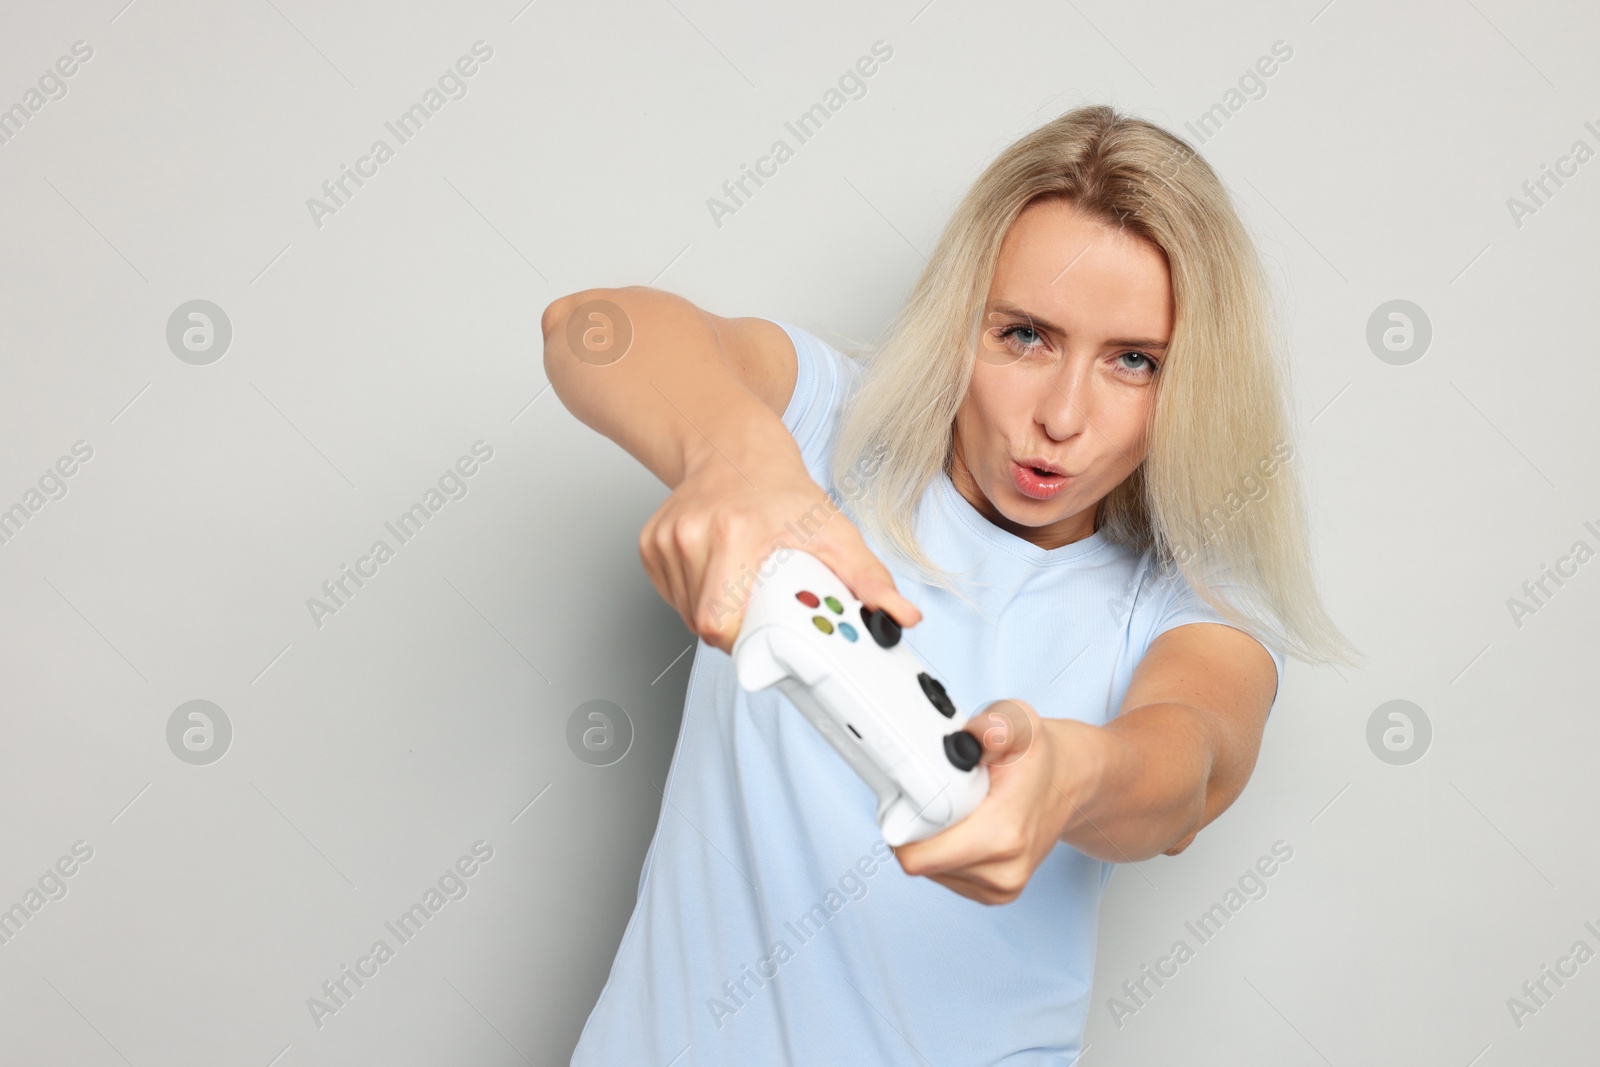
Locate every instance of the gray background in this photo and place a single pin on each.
(431, 712)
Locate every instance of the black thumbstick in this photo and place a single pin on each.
(934, 691)
(883, 629)
(963, 750)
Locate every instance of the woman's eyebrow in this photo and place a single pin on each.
(1012, 309)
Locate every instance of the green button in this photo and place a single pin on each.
(822, 624)
(834, 605)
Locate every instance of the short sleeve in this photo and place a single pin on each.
(824, 377)
(1184, 605)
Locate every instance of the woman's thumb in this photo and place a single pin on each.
(1006, 730)
(873, 585)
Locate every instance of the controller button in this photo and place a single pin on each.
(808, 599)
(883, 629)
(963, 750)
(833, 604)
(934, 691)
(822, 624)
(848, 631)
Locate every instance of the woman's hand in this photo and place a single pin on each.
(1174, 757)
(699, 399)
(701, 548)
(1040, 773)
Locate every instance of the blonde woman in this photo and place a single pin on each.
(1067, 471)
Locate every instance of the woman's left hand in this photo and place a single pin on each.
(1041, 773)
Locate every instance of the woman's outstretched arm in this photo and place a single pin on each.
(699, 399)
(1176, 756)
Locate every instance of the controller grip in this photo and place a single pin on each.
(902, 824)
(774, 656)
(767, 656)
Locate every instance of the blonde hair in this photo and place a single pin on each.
(1220, 412)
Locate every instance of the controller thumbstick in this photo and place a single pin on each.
(963, 750)
(934, 691)
(883, 629)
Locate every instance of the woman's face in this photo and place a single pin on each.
(1076, 324)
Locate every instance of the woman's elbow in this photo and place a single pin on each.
(553, 324)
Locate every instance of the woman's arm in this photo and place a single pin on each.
(692, 387)
(699, 400)
(1182, 747)
(1179, 752)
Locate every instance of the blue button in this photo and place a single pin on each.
(848, 631)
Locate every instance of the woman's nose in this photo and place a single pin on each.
(1064, 403)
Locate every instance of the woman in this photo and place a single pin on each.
(1072, 454)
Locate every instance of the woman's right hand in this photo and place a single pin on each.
(701, 548)
(699, 399)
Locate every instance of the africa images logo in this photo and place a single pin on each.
(453, 485)
(452, 85)
(454, 884)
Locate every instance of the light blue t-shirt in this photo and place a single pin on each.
(774, 926)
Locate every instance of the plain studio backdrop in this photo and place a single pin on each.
(225, 381)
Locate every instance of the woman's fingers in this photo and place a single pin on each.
(703, 550)
(1001, 888)
(966, 887)
(999, 845)
(702, 569)
(988, 836)
(1007, 729)
(865, 574)
(999, 865)
(665, 565)
(721, 609)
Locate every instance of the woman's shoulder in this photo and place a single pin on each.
(1167, 599)
(824, 377)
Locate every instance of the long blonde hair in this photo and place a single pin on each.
(1218, 496)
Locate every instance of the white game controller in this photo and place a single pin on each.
(842, 664)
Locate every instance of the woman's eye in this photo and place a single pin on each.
(1144, 368)
(1021, 338)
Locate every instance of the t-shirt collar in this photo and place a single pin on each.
(962, 511)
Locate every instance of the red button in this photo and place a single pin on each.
(808, 599)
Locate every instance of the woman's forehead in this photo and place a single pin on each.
(1071, 272)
